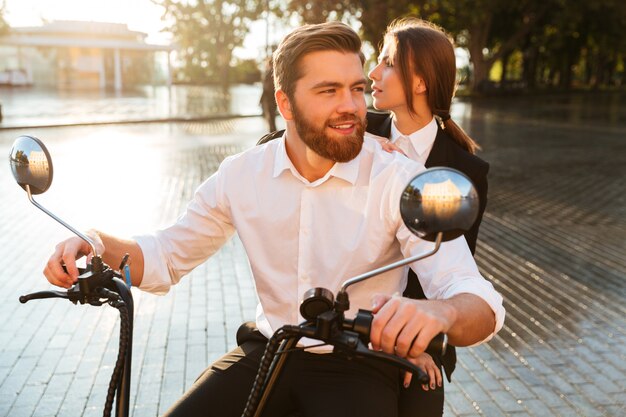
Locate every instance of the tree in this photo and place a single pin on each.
(207, 32)
(320, 11)
(4, 26)
(471, 22)
(553, 41)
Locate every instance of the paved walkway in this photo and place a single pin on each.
(553, 242)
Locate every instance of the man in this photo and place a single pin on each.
(312, 209)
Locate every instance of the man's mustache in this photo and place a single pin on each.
(346, 119)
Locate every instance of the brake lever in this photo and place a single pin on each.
(43, 294)
(417, 372)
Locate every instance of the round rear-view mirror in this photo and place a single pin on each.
(31, 164)
(438, 200)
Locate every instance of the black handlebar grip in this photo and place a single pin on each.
(438, 345)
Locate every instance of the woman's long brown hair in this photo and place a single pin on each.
(422, 48)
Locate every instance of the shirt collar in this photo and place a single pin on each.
(347, 171)
(421, 140)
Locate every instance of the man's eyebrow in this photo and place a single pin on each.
(335, 84)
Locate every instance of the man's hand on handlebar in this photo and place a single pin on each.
(66, 253)
(404, 326)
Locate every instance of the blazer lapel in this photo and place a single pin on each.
(437, 156)
(385, 128)
(379, 124)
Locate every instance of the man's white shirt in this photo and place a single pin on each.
(300, 235)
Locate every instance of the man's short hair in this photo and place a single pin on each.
(329, 36)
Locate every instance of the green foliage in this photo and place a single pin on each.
(321, 11)
(535, 42)
(245, 71)
(555, 42)
(207, 32)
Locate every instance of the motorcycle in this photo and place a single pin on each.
(437, 205)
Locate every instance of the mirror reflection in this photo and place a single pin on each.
(31, 164)
(439, 200)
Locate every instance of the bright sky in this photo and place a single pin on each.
(140, 15)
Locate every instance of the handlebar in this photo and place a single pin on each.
(98, 284)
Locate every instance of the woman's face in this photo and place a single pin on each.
(387, 88)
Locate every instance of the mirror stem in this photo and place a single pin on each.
(398, 264)
(79, 234)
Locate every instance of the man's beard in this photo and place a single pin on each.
(338, 150)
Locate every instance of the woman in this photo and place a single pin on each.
(414, 81)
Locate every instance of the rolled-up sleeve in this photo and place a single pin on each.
(450, 272)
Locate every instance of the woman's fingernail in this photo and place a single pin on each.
(406, 384)
(425, 387)
(432, 386)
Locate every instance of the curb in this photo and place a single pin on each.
(139, 121)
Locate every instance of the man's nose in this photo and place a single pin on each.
(349, 102)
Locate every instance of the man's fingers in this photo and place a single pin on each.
(69, 259)
(422, 340)
(388, 340)
(381, 319)
(55, 280)
(406, 338)
(54, 272)
(379, 300)
(65, 253)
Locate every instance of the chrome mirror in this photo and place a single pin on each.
(438, 205)
(31, 164)
(32, 169)
(439, 200)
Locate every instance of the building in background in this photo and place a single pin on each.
(82, 55)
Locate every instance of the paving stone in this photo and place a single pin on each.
(558, 259)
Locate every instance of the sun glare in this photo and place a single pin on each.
(140, 15)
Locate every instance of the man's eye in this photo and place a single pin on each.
(359, 89)
(330, 91)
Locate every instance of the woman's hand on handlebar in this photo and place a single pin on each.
(426, 363)
(405, 327)
(66, 253)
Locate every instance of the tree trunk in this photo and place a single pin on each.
(505, 63)
(481, 67)
(529, 67)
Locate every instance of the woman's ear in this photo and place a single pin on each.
(284, 105)
(419, 86)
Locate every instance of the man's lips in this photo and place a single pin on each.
(343, 127)
(346, 126)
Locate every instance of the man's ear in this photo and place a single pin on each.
(284, 105)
